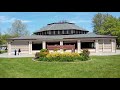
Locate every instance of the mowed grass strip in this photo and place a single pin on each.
(97, 67)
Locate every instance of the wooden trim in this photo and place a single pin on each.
(67, 47)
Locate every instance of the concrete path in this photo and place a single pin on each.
(5, 55)
(106, 53)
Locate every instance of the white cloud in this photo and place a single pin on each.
(5, 19)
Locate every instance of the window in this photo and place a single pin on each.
(47, 32)
(65, 31)
(73, 31)
(52, 32)
(60, 32)
(69, 32)
(56, 32)
(43, 33)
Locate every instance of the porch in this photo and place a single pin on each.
(74, 45)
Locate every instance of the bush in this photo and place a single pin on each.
(43, 52)
(3, 51)
(56, 49)
(84, 55)
(62, 56)
(37, 55)
(64, 49)
(43, 59)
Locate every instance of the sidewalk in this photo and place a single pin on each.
(5, 55)
(105, 53)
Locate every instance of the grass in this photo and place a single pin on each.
(97, 67)
(3, 51)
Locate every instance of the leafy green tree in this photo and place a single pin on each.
(0, 37)
(106, 24)
(98, 21)
(111, 26)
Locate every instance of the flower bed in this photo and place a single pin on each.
(44, 55)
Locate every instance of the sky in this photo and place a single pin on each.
(37, 20)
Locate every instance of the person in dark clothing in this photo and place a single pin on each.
(19, 52)
(15, 51)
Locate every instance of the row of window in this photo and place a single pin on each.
(61, 32)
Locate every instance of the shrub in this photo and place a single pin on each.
(86, 52)
(43, 52)
(55, 50)
(84, 55)
(37, 55)
(43, 59)
(64, 49)
(55, 56)
(3, 51)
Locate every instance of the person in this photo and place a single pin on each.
(15, 52)
(19, 51)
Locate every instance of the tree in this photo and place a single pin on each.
(0, 37)
(98, 21)
(111, 26)
(106, 24)
(18, 29)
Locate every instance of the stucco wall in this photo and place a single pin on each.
(100, 45)
(107, 45)
(23, 45)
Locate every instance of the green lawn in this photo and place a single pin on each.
(97, 67)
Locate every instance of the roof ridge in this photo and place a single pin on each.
(50, 27)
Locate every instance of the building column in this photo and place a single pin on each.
(44, 45)
(58, 32)
(61, 44)
(96, 46)
(30, 47)
(113, 45)
(9, 48)
(103, 46)
(78, 46)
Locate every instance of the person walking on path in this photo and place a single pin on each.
(19, 51)
(15, 52)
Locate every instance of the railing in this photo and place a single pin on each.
(67, 47)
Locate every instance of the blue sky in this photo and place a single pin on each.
(36, 20)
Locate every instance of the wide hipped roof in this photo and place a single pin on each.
(55, 37)
(61, 26)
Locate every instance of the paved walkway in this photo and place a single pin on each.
(106, 53)
(5, 55)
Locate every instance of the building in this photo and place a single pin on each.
(62, 36)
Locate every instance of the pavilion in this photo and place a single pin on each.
(62, 36)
